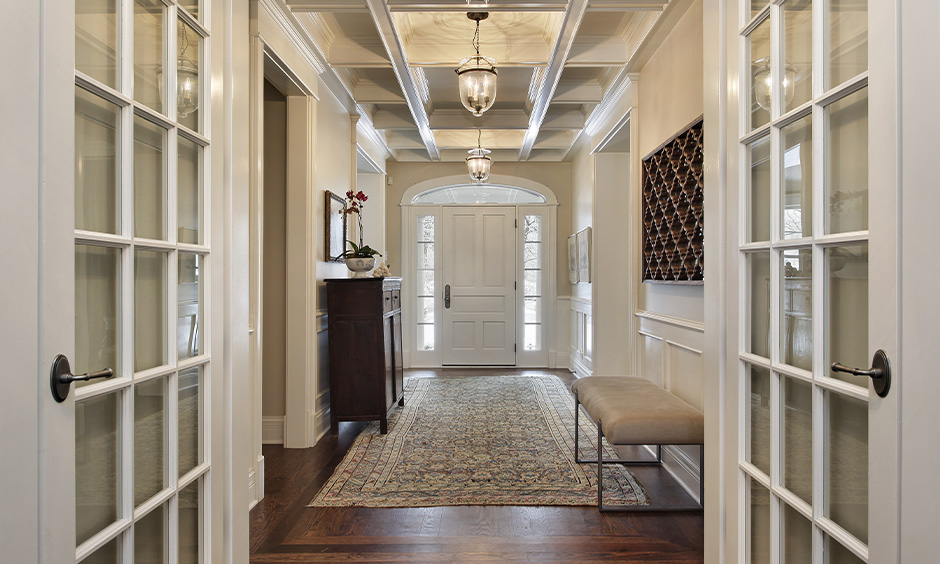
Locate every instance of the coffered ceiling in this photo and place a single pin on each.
(558, 60)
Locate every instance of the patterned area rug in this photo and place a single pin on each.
(477, 440)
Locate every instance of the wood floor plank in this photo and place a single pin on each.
(284, 530)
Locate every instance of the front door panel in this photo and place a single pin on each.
(479, 266)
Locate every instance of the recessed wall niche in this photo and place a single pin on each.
(673, 249)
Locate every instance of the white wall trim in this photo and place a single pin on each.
(683, 468)
(256, 483)
(272, 430)
(580, 369)
(288, 25)
(671, 320)
(686, 347)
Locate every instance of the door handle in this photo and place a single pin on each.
(61, 377)
(880, 372)
(447, 296)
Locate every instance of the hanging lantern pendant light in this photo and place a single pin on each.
(476, 75)
(478, 162)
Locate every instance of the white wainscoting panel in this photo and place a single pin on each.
(669, 353)
(581, 338)
(685, 373)
(320, 418)
(650, 358)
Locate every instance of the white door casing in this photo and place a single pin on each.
(479, 274)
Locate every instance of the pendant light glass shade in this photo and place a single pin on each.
(763, 84)
(187, 79)
(477, 83)
(476, 75)
(478, 162)
(187, 87)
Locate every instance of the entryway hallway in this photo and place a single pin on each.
(284, 529)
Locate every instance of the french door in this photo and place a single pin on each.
(815, 242)
(142, 263)
(116, 246)
(479, 285)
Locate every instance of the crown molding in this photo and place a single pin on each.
(288, 24)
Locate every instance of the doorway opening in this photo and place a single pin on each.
(480, 271)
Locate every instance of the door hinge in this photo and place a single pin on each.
(515, 286)
(514, 347)
(517, 223)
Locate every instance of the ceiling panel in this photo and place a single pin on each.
(556, 61)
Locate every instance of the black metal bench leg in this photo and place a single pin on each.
(600, 468)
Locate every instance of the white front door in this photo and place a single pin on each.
(479, 285)
(815, 269)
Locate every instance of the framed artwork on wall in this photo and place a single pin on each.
(573, 259)
(335, 236)
(584, 255)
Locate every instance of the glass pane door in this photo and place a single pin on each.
(141, 263)
(804, 262)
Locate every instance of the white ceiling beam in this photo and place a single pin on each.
(563, 119)
(566, 37)
(388, 119)
(396, 52)
(490, 6)
(349, 53)
(561, 139)
(328, 6)
(403, 140)
(602, 51)
(492, 119)
(368, 92)
(626, 5)
(578, 93)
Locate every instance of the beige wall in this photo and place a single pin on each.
(671, 97)
(556, 176)
(582, 213)
(274, 366)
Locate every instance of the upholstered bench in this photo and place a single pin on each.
(635, 411)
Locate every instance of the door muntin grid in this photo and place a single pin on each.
(815, 423)
(142, 263)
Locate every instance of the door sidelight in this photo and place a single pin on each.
(880, 372)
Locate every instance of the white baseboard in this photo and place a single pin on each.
(684, 468)
(259, 481)
(321, 424)
(272, 430)
(562, 360)
(256, 483)
(253, 498)
(578, 367)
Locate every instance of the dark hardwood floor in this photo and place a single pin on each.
(284, 529)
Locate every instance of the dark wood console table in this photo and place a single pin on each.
(366, 379)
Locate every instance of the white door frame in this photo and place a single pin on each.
(409, 214)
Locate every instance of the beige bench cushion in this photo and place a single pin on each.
(635, 411)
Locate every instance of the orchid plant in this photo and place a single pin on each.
(355, 201)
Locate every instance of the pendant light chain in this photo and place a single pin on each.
(476, 39)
